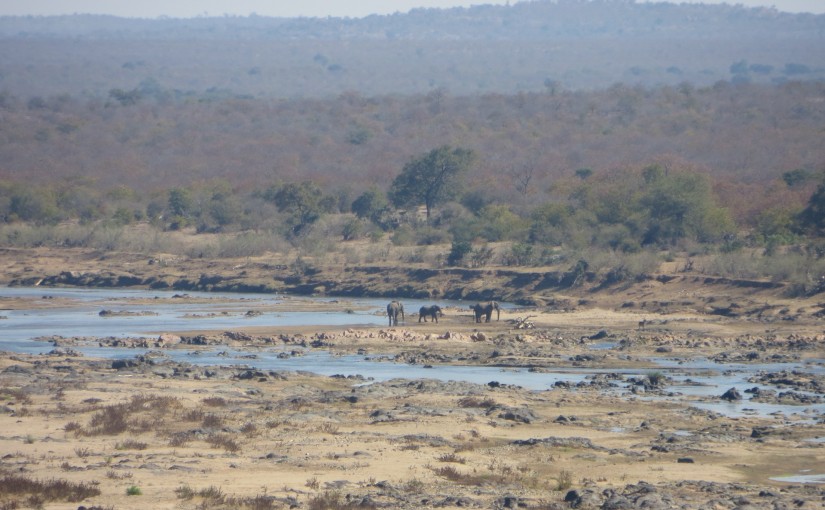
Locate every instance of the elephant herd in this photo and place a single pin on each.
(396, 308)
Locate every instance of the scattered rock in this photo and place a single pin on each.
(731, 395)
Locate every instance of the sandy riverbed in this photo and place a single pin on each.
(228, 437)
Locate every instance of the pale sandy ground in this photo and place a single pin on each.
(289, 438)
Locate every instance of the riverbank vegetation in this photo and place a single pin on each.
(620, 180)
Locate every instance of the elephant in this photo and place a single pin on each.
(486, 309)
(393, 309)
(430, 311)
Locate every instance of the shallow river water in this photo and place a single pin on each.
(699, 380)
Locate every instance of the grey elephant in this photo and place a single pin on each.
(430, 311)
(486, 309)
(393, 309)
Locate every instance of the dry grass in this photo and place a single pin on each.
(452, 457)
(215, 402)
(454, 475)
(35, 493)
(131, 444)
(141, 414)
(214, 497)
(333, 500)
(224, 441)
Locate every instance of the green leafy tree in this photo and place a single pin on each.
(123, 216)
(682, 205)
(125, 97)
(80, 200)
(740, 67)
(225, 209)
(458, 251)
(304, 200)
(549, 223)
(432, 178)
(36, 204)
(370, 205)
(499, 223)
(181, 207)
(584, 173)
(794, 177)
(180, 202)
(812, 218)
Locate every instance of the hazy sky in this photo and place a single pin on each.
(292, 8)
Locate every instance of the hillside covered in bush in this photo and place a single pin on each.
(508, 173)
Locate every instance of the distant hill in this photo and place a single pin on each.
(524, 47)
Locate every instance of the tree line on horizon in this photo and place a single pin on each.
(483, 49)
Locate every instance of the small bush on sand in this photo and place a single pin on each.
(131, 444)
(564, 480)
(223, 441)
(452, 457)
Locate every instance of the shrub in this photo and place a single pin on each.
(481, 256)
(564, 480)
(215, 401)
(193, 415)
(133, 490)
(656, 378)
(452, 457)
(72, 426)
(313, 483)
(185, 492)
(352, 229)
(223, 441)
(82, 452)
(458, 251)
(131, 444)
(476, 402)
(521, 254)
(212, 421)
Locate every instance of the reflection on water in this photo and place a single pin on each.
(800, 479)
(699, 382)
(214, 311)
